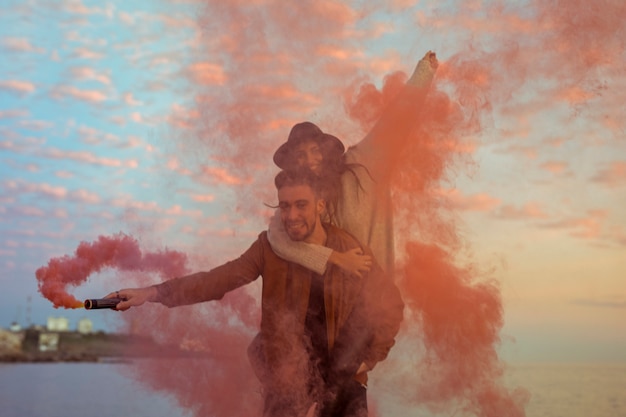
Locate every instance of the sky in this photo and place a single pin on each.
(158, 120)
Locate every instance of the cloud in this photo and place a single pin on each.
(527, 211)
(64, 174)
(589, 227)
(29, 211)
(86, 53)
(90, 96)
(89, 73)
(612, 176)
(474, 202)
(77, 7)
(13, 113)
(173, 164)
(177, 210)
(181, 117)
(20, 45)
(17, 86)
(555, 167)
(84, 196)
(614, 301)
(222, 176)
(95, 136)
(207, 73)
(129, 203)
(21, 187)
(130, 100)
(36, 124)
(87, 158)
(203, 198)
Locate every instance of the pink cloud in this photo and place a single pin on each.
(77, 7)
(30, 211)
(126, 18)
(529, 152)
(36, 124)
(203, 198)
(130, 100)
(206, 73)
(60, 213)
(20, 45)
(64, 174)
(222, 176)
(177, 210)
(612, 176)
(13, 113)
(90, 96)
(85, 157)
(90, 135)
(474, 202)
(574, 94)
(174, 164)
(85, 53)
(527, 211)
(84, 196)
(88, 73)
(178, 22)
(21, 187)
(182, 117)
(118, 120)
(555, 167)
(588, 227)
(17, 86)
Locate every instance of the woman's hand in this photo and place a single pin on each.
(352, 261)
(133, 297)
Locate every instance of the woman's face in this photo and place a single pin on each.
(309, 155)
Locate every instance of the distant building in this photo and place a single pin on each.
(10, 342)
(85, 326)
(15, 327)
(48, 342)
(58, 324)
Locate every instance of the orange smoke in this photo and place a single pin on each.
(272, 66)
(119, 252)
(460, 321)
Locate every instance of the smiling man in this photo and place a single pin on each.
(320, 334)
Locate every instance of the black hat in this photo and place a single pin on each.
(303, 132)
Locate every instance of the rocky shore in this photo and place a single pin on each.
(34, 346)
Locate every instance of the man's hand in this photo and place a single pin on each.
(133, 297)
(353, 261)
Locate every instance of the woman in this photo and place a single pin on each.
(357, 181)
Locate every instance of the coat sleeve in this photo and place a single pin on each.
(388, 138)
(385, 312)
(213, 284)
(310, 256)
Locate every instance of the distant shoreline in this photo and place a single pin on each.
(34, 347)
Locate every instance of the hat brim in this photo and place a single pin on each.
(282, 154)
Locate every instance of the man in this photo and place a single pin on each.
(320, 334)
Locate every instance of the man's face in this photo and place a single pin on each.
(300, 211)
(308, 154)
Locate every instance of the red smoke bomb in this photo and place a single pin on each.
(99, 303)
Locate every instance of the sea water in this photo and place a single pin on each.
(99, 390)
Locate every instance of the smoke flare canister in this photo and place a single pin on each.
(98, 303)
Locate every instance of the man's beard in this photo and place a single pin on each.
(297, 236)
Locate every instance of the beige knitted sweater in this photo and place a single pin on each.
(366, 211)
